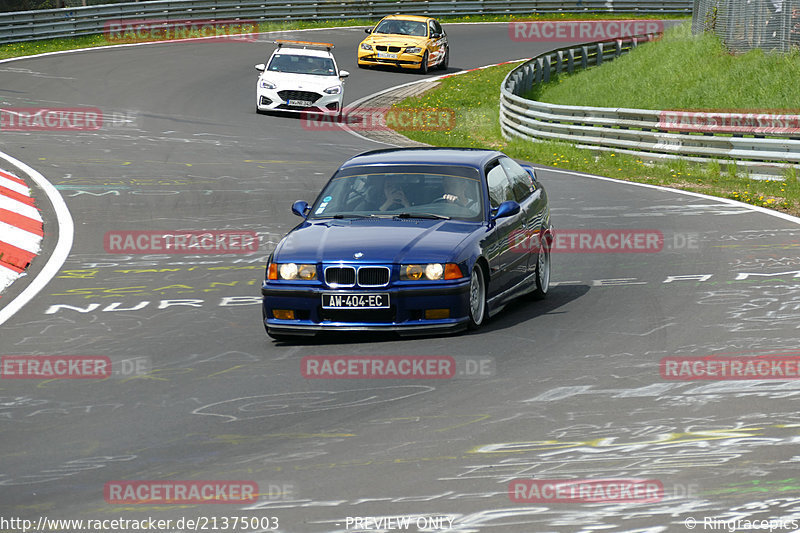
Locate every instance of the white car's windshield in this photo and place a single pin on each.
(296, 64)
(402, 27)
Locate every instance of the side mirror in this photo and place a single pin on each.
(530, 170)
(261, 67)
(368, 30)
(300, 208)
(436, 35)
(508, 208)
(343, 74)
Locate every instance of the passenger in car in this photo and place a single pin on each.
(394, 195)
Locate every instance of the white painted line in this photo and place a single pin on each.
(24, 240)
(728, 201)
(7, 277)
(15, 206)
(65, 235)
(14, 186)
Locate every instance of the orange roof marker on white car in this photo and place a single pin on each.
(303, 44)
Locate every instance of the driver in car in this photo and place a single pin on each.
(458, 192)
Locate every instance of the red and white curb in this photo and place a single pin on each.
(21, 229)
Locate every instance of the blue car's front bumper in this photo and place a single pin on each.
(406, 313)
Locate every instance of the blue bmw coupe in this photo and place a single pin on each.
(411, 240)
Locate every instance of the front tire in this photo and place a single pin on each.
(446, 61)
(543, 268)
(477, 298)
(423, 65)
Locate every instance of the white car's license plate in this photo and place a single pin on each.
(385, 55)
(300, 103)
(355, 301)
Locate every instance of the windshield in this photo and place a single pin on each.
(410, 191)
(296, 64)
(402, 27)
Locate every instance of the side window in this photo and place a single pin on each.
(499, 186)
(521, 181)
(431, 28)
(437, 27)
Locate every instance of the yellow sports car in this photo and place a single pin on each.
(406, 41)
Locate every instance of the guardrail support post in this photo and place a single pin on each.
(546, 66)
(599, 54)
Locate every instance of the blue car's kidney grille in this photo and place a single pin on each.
(340, 276)
(373, 276)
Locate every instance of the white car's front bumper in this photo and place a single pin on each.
(297, 101)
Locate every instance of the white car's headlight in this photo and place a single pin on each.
(336, 89)
(413, 50)
(267, 84)
(366, 46)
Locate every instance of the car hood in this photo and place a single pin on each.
(380, 241)
(303, 82)
(396, 40)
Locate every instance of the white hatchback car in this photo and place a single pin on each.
(301, 77)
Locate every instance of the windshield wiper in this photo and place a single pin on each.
(423, 215)
(354, 215)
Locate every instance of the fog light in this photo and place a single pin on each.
(436, 314)
(283, 314)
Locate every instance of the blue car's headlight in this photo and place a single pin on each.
(430, 271)
(413, 50)
(291, 271)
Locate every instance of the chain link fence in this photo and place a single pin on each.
(772, 25)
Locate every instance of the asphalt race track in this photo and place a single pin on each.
(571, 388)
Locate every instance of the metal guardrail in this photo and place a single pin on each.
(90, 20)
(747, 24)
(762, 144)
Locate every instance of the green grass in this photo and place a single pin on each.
(474, 98)
(89, 41)
(682, 71)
